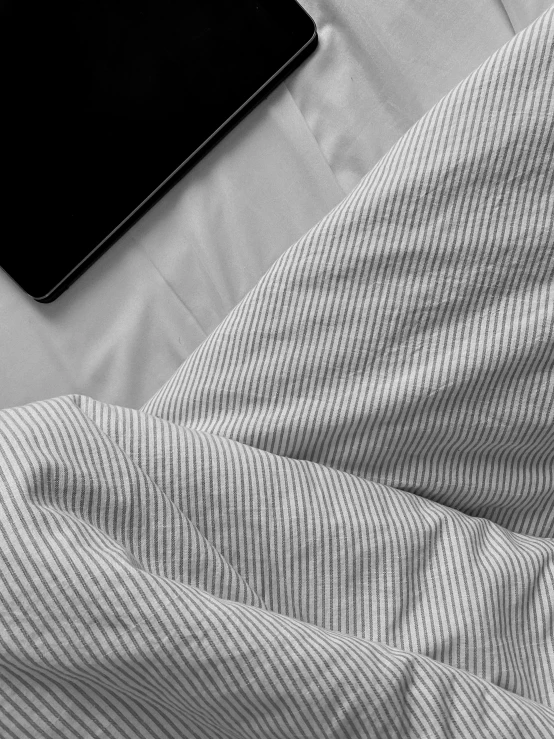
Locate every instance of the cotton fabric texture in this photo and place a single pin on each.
(130, 321)
(336, 519)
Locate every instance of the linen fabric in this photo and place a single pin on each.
(337, 518)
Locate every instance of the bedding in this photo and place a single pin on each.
(336, 518)
(126, 326)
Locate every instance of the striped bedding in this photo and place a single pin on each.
(337, 518)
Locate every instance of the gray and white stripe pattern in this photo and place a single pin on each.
(337, 518)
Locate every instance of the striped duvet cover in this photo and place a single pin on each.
(337, 518)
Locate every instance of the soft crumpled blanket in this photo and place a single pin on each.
(337, 518)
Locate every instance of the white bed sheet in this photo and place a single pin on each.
(131, 320)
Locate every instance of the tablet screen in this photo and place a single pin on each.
(104, 100)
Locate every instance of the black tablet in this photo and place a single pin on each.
(107, 102)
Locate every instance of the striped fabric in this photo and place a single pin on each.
(337, 518)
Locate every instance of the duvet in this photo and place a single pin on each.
(337, 518)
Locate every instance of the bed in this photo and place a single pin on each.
(127, 325)
(335, 516)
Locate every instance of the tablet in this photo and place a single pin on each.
(107, 103)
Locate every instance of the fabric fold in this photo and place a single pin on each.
(336, 519)
(407, 338)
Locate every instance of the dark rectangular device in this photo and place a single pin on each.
(106, 103)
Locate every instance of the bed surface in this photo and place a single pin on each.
(127, 324)
(336, 519)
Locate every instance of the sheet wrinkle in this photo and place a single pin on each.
(502, 5)
(313, 136)
(170, 286)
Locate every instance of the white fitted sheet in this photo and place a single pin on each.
(131, 320)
